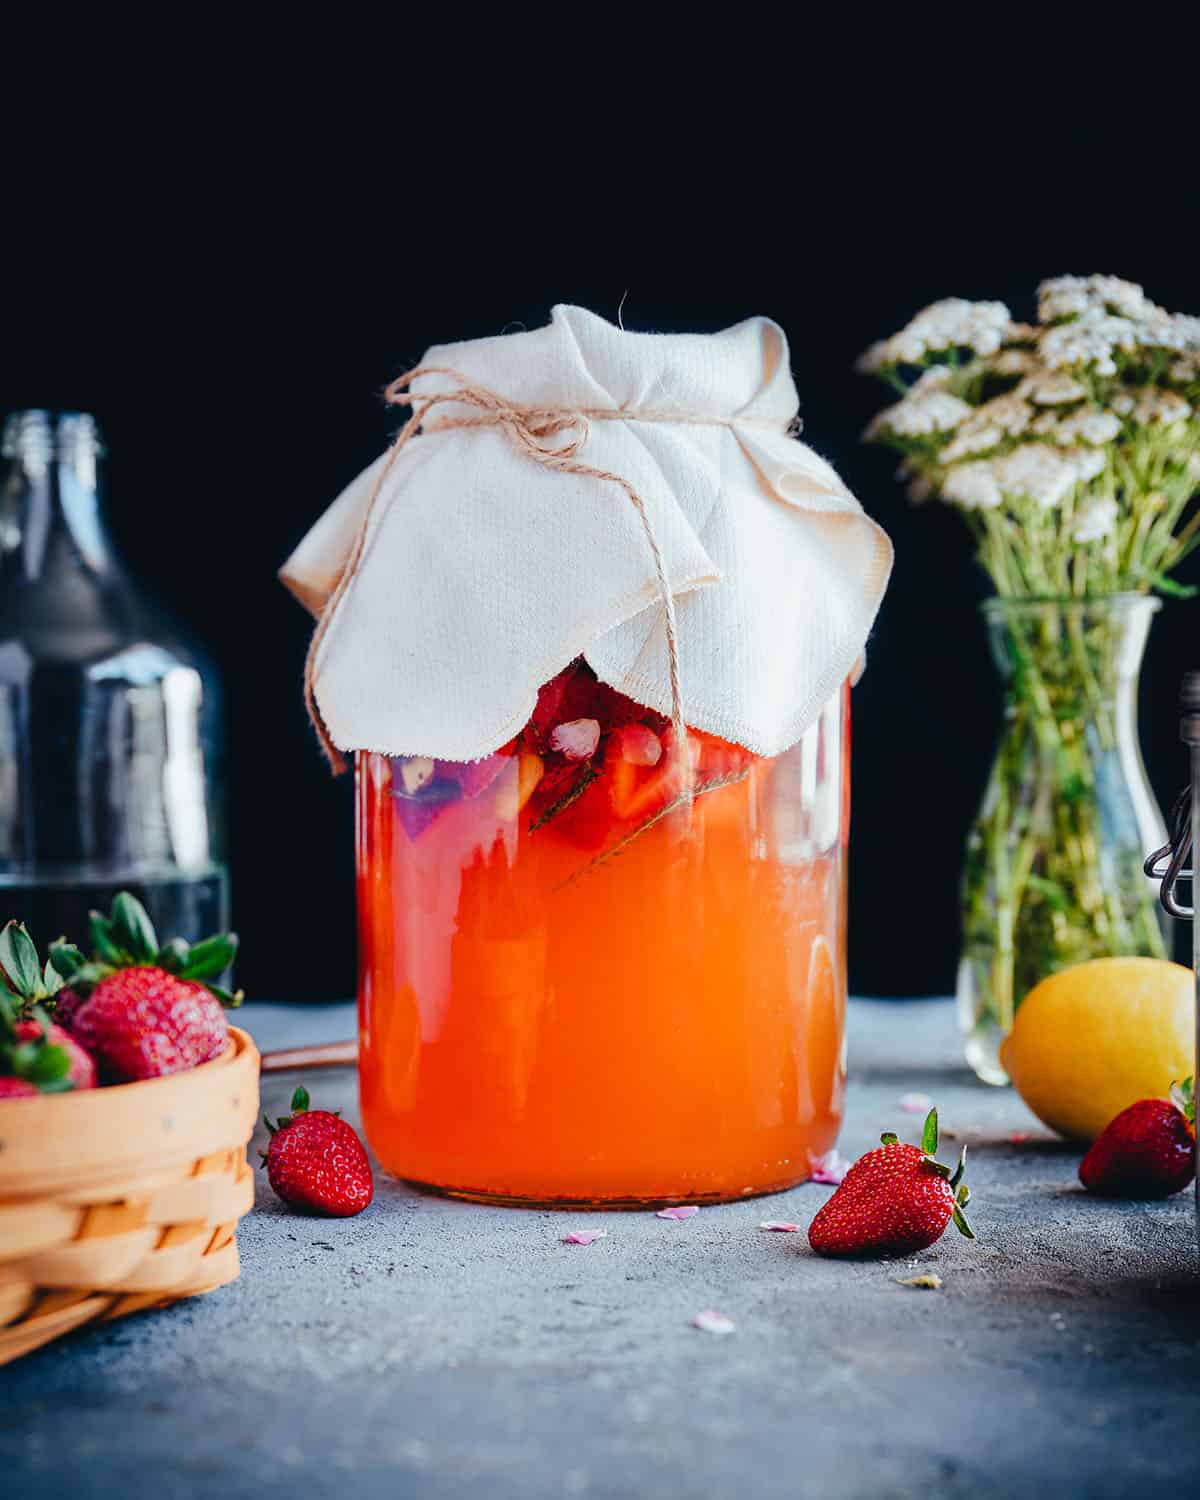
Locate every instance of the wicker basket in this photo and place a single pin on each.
(119, 1199)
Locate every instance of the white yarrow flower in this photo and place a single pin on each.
(1037, 472)
(1013, 362)
(971, 438)
(933, 378)
(973, 486)
(1185, 369)
(1050, 388)
(874, 359)
(1003, 416)
(1090, 339)
(1087, 462)
(1125, 298)
(1088, 426)
(1095, 519)
(1159, 329)
(1045, 425)
(1062, 297)
(953, 323)
(921, 414)
(1070, 296)
(1011, 413)
(1158, 408)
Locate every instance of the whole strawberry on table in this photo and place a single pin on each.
(1147, 1151)
(316, 1162)
(894, 1200)
(135, 1009)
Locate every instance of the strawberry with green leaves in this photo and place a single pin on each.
(36, 1055)
(316, 1162)
(1147, 1151)
(143, 1010)
(894, 1200)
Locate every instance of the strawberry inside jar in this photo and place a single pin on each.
(598, 967)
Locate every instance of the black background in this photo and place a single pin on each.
(228, 270)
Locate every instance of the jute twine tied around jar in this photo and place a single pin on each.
(551, 436)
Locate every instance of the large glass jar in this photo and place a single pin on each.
(576, 987)
(109, 735)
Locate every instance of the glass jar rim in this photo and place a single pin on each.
(999, 605)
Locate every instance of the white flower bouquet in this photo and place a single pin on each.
(1072, 448)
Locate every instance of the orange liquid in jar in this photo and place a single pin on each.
(627, 1004)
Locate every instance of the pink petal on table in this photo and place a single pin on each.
(830, 1168)
(577, 739)
(689, 1212)
(915, 1104)
(712, 1321)
(779, 1228)
(584, 1236)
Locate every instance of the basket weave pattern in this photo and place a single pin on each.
(119, 1199)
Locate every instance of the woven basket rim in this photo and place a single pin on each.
(84, 1136)
(70, 1097)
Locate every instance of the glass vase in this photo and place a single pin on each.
(1054, 861)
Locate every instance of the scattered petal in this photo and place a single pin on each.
(577, 739)
(584, 1236)
(688, 1212)
(830, 1168)
(780, 1228)
(928, 1281)
(711, 1321)
(1019, 1137)
(640, 746)
(915, 1104)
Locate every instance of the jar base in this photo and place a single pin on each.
(630, 1204)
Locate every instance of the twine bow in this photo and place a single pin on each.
(534, 430)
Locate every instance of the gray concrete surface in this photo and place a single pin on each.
(435, 1349)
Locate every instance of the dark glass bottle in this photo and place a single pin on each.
(108, 720)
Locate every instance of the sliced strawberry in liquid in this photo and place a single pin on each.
(473, 776)
(587, 821)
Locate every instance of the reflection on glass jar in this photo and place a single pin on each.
(576, 988)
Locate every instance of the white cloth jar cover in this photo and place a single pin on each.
(483, 572)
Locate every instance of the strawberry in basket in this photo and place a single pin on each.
(36, 1055)
(139, 1009)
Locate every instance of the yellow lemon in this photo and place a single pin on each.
(1096, 1038)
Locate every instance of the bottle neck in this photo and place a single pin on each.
(50, 514)
(63, 595)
